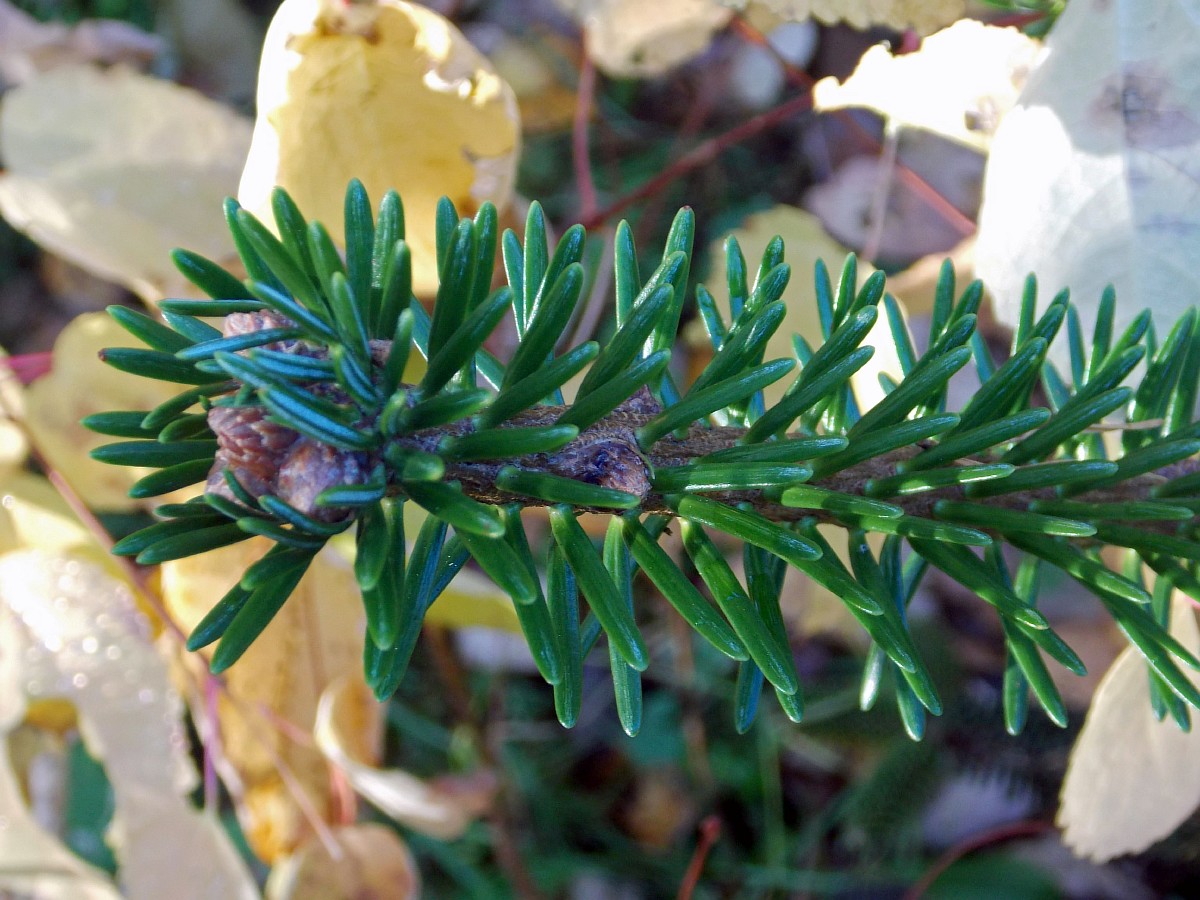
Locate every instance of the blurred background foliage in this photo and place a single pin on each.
(471, 788)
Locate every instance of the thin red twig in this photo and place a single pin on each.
(1024, 828)
(710, 831)
(580, 139)
(701, 155)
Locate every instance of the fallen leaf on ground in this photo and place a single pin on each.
(629, 39)
(387, 92)
(113, 169)
(1131, 780)
(805, 241)
(958, 85)
(874, 206)
(922, 15)
(68, 630)
(374, 862)
(78, 385)
(441, 807)
(1092, 176)
(315, 639)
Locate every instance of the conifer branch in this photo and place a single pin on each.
(297, 421)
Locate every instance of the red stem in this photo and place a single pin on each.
(701, 155)
(1011, 831)
(579, 139)
(710, 831)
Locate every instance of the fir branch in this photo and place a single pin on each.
(296, 420)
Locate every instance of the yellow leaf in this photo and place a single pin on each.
(112, 169)
(630, 39)
(922, 15)
(959, 84)
(314, 640)
(387, 92)
(806, 241)
(442, 807)
(80, 384)
(69, 631)
(374, 862)
(1131, 779)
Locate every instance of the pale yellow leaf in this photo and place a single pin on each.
(314, 640)
(78, 385)
(959, 84)
(34, 516)
(387, 92)
(922, 15)
(1132, 779)
(374, 862)
(80, 636)
(805, 242)
(32, 862)
(1093, 175)
(442, 808)
(113, 169)
(630, 39)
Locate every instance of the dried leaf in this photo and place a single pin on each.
(314, 640)
(77, 633)
(922, 15)
(1132, 779)
(629, 39)
(374, 862)
(112, 169)
(871, 206)
(387, 92)
(959, 84)
(78, 385)
(1092, 176)
(442, 808)
(28, 46)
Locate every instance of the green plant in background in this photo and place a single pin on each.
(296, 417)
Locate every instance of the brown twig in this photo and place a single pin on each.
(1011, 831)
(580, 138)
(702, 155)
(710, 831)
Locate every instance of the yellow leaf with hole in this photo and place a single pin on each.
(959, 84)
(387, 92)
(69, 631)
(112, 169)
(1132, 780)
(273, 690)
(374, 862)
(78, 385)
